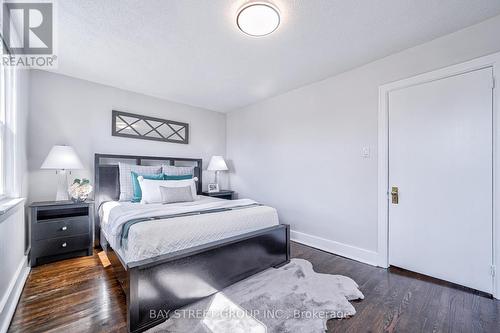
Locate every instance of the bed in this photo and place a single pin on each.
(168, 256)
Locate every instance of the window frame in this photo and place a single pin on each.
(3, 111)
(6, 78)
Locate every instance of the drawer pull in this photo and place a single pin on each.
(64, 244)
(64, 228)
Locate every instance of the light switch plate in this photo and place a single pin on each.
(365, 152)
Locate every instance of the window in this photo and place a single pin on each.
(3, 108)
(8, 130)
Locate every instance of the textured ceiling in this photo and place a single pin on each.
(190, 51)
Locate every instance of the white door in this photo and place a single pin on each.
(440, 159)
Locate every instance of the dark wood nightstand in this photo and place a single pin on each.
(222, 194)
(61, 230)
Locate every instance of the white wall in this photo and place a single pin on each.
(301, 151)
(65, 110)
(13, 262)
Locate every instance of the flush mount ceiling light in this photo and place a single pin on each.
(258, 19)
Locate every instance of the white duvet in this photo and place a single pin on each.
(152, 238)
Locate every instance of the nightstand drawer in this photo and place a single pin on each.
(61, 228)
(222, 194)
(49, 247)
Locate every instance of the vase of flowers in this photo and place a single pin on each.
(80, 190)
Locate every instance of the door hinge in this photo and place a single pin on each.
(493, 270)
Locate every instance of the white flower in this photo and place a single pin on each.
(80, 191)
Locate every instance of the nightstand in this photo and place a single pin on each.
(61, 230)
(222, 194)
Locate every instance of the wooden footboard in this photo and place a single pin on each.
(171, 281)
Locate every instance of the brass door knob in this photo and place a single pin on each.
(395, 195)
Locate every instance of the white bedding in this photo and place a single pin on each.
(152, 238)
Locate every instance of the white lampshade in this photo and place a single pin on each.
(62, 158)
(217, 163)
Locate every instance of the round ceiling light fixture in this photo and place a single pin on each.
(258, 19)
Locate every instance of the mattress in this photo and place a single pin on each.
(151, 238)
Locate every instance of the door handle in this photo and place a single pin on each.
(395, 195)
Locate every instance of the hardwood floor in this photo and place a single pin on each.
(402, 301)
(79, 295)
(74, 295)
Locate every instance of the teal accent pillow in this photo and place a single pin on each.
(136, 188)
(183, 177)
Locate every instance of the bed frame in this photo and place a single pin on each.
(170, 281)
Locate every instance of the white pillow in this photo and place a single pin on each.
(151, 188)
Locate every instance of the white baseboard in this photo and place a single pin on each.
(13, 294)
(341, 249)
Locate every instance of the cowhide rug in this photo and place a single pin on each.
(293, 298)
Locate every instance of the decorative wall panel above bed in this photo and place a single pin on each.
(138, 126)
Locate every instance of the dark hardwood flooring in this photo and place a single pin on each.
(74, 295)
(400, 301)
(79, 295)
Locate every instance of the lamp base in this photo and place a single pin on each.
(216, 183)
(62, 186)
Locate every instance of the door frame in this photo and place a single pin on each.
(492, 61)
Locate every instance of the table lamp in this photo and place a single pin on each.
(217, 164)
(61, 159)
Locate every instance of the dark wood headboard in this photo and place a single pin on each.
(107, 180)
